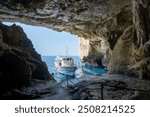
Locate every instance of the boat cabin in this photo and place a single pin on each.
(65, 61)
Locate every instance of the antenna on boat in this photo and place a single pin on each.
(67, 51)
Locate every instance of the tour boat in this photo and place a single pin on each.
(65, 65)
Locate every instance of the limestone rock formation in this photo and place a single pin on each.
(93, 51)
(19, 62)
(124, 52)
(106, 24)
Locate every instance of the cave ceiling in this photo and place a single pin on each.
(84, 18)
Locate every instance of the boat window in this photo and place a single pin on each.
(59, 63)
(67, 59)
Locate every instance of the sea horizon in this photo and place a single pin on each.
(59, 55)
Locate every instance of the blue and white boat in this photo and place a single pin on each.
(65, 65)
(93, 70)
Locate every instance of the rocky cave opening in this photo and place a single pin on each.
(49, 42)
(113, 33)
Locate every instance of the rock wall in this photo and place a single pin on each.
(19, 62)
(93, 50)
(124, 52)
(84, 46)
(131, 52)
(117, 30)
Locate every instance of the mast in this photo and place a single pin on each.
(67, 51)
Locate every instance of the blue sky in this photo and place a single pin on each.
(48, 42)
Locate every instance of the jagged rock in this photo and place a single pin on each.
(114, 87)
(19, 62)
(104, 23)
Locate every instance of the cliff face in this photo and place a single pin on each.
(93, 50)
(114, 33)
(19, 62)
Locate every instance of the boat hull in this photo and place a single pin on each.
(70, 71)
(92, 70)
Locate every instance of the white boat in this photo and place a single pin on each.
(65, 65)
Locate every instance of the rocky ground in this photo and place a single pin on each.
(39, 90)
(115, 87)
